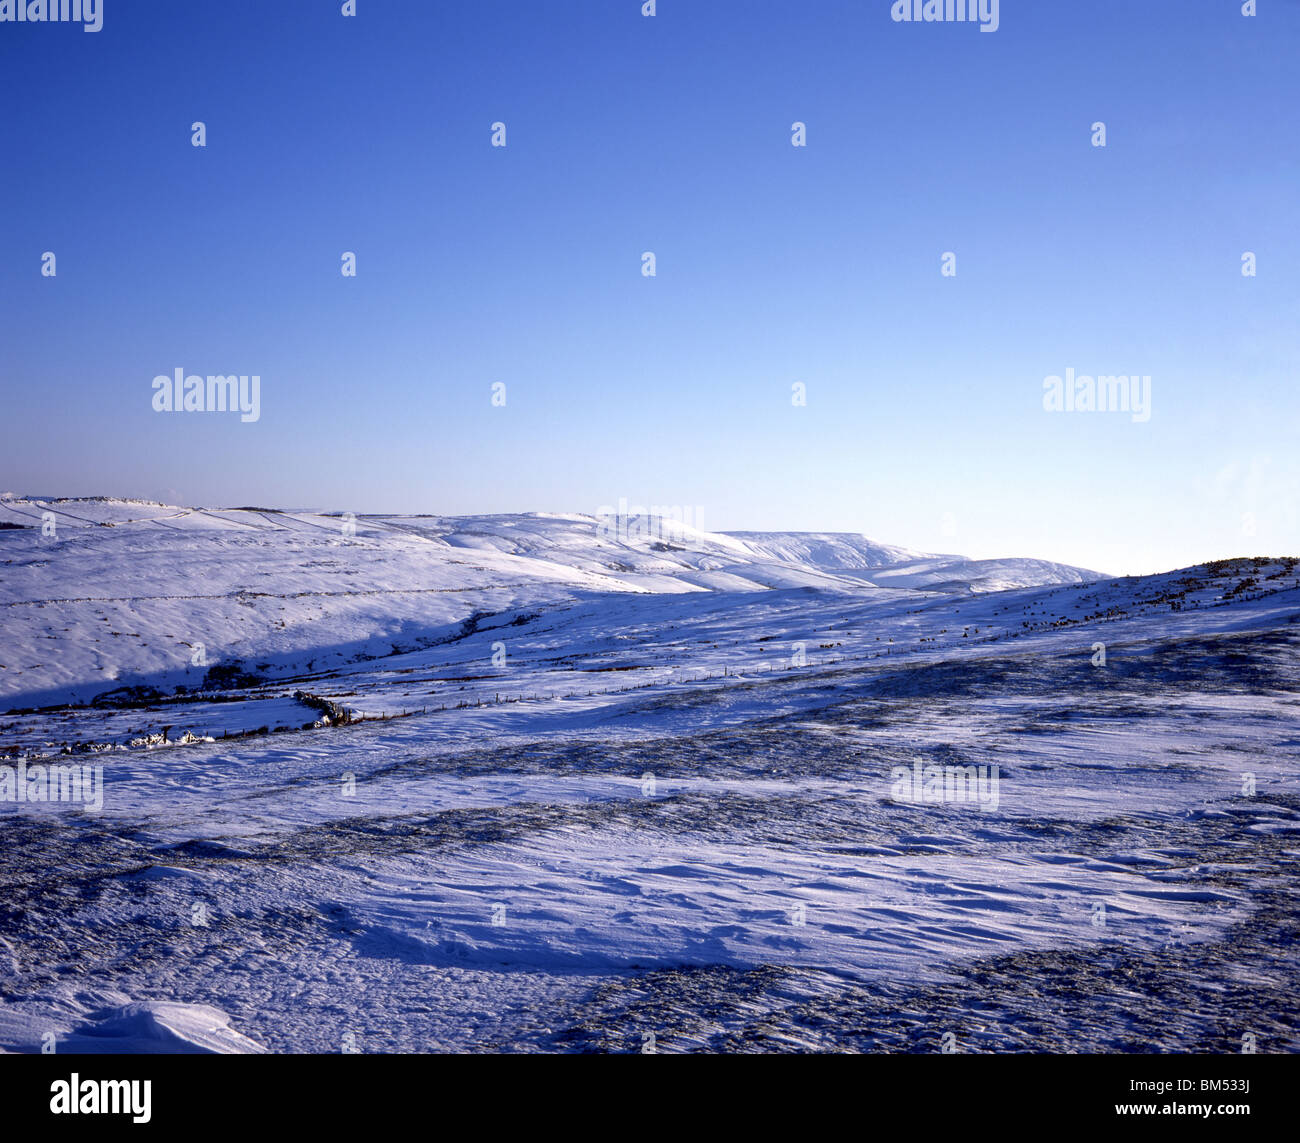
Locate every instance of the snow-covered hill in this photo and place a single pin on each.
(156, 594)
(516, 783)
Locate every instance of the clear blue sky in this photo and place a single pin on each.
(924, 422)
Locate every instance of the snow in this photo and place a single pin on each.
(95, 1024)
(581, 763)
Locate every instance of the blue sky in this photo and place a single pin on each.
(924, 423)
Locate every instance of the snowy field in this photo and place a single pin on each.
(533, 783)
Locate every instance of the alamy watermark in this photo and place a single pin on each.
(932, 784)
(981, 12)
(663, 522)
(77, 1096)
(1104, 394)
(214, 394)
(90, 13)
(74, 783)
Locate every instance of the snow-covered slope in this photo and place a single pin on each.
(99, 594)
(830, 551)
(884, 565)
(599, 814)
